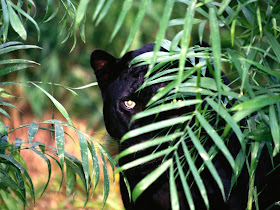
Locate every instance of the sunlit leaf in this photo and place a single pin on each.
(184, 183)
(155, 126)
(216, 46)
(256, 103)
(173, 190)
(165, 107)
(98, 9)
(149, 179)
(223, 6)
(145, 159)
(148, 144)
(81, 11)
(195, 174)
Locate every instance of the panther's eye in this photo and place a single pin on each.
(129, 104)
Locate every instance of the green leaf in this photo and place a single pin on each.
(12, 61)
(81, 11)
(195, 174)
(60, 141)
(95, 164)
(145, 159)
(161, 32)
(28, 17)
(181, 21)
(98, 8)
(223, 6)
(165, 107)
(155, 126)
(201, 30)
(84, 154)
(3, 143)
(7, 180)
(3, 129)
(185, 41)
(241, 71)
(141, 13)
(207, 161)
(216, 138)
(150, 178)
(57, 104)
(21, 184)
(2, 111)
(3, 103)
(106, 180)
(273, 43)
(275, 129)
(225, 115)
(256, 103)
(259, 18)
(262, 133)
(48, 163)
(239, 163)
(14, 68)
(216, 46)
(171, 85)
(13, 162)
(126, 6)
(104, 12)
(173, 190)
(264, 69)
(148, 144)
(8, 200)
(6, 20)
(8, 48)
(16, 23)
(184, 183)
(70, 180)
(48, 10)
(33, 128)
(77, 167)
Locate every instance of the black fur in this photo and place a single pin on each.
(118, 83)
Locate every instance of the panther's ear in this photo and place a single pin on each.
(103, 65)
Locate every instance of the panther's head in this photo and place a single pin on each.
(119, 82)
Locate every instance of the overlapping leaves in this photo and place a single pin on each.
(255, 96)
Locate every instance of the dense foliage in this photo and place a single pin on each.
(244, 40)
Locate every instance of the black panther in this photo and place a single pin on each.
(119, 82)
